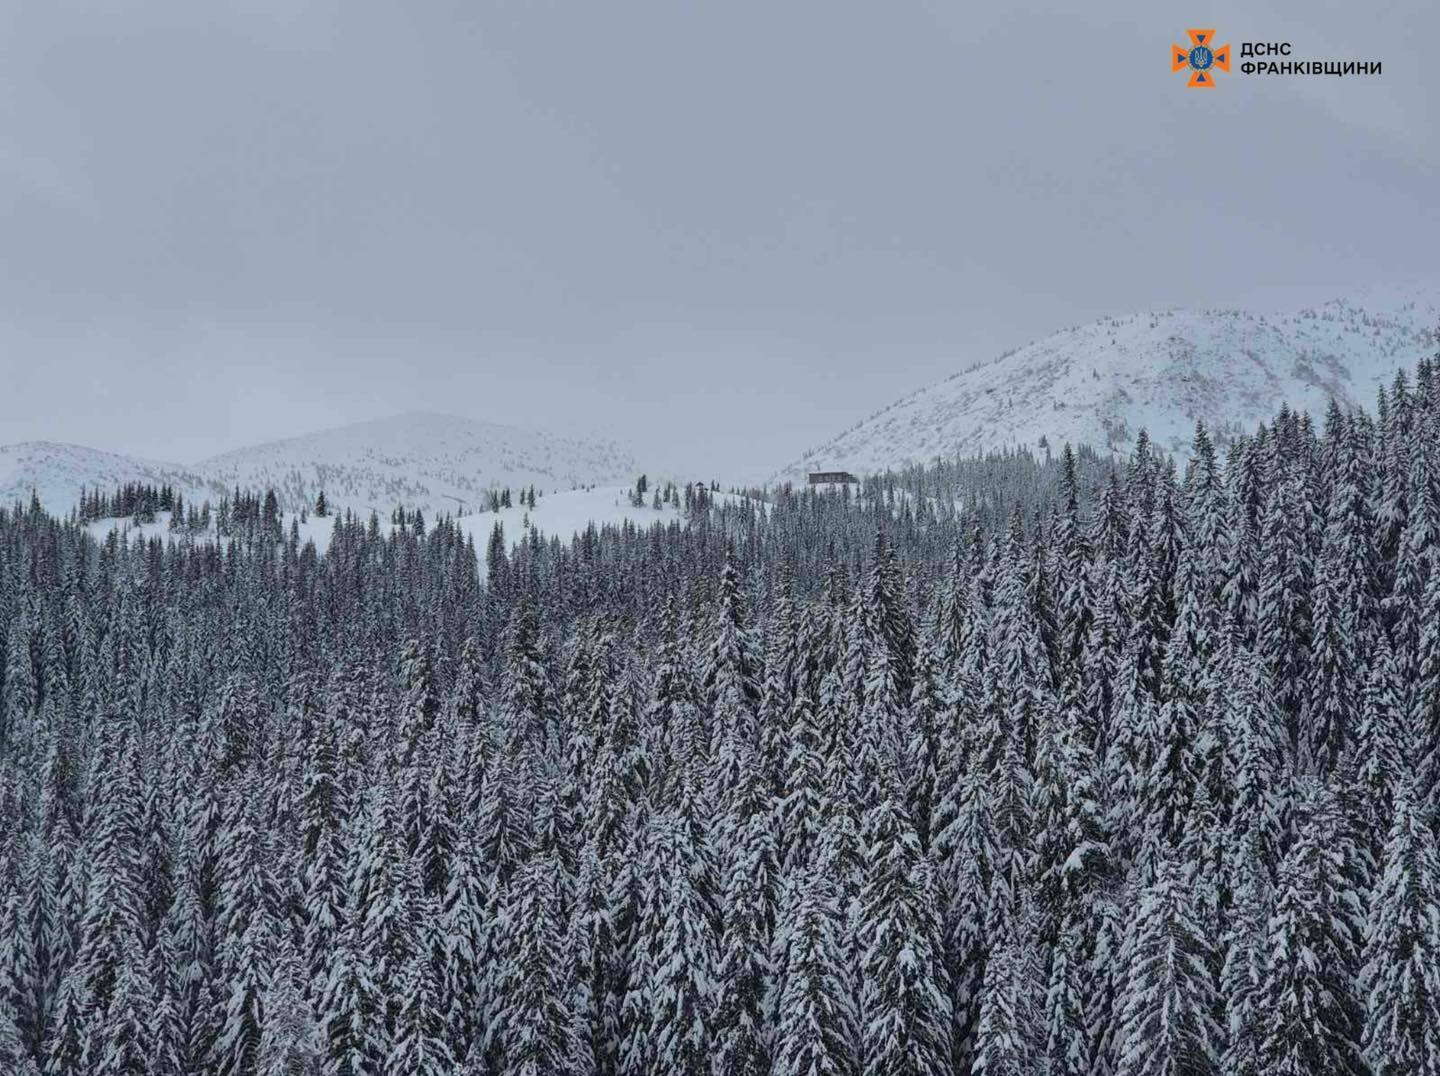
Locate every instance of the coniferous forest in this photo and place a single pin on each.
(1002, 766)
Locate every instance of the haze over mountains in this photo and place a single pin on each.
(1096, 384)
(1101, 383)
(435, 462)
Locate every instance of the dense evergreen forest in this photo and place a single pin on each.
(1002, 766)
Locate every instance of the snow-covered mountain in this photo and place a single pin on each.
(1100, 384)
(435, 462)
(57, 472)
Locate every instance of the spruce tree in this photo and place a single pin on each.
(817, 1033)
(905, 996)
(743, 976)
(1400, 974)
(1010, 1038)
(1313, 1014)
(1168, 1025)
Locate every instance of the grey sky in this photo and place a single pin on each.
(722, 230)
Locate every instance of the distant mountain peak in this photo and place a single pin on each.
(432, 461)
(1162, 371)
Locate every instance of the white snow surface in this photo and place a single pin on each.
(1100, 384)
(56, 472)
(437, 463)
(561, 515)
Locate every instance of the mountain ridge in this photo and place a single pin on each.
(1101, 382)
(427, 460)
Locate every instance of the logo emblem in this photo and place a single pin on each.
(1202, 57)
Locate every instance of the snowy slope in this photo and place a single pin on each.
(438, 463)
(1101, 383)
(431, 461)
(561, 515)
(57, 472)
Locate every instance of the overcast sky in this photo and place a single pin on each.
(721, 229)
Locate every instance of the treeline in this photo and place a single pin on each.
(999, 767)
(133, 500)
(141, 503)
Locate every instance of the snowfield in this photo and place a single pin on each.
(560, 515)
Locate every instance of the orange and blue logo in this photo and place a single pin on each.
(1202, 57)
